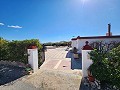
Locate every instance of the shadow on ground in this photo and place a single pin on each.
(10, 73)
(75, 63)
(68, 55)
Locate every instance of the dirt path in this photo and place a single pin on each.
(47, 80)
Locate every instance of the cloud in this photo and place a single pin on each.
(1, 24)
(14, 26)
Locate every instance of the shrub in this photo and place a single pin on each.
(106, 66)
(15, 50)
(114, 66)
(3, 49)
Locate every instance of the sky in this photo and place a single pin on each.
(57, 20)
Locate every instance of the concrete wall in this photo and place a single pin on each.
(50, 47)
(74, 43)
(33, 58)
(86, 62)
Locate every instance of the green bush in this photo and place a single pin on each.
(15, 50)
(106, 66)
(114, 66)
(4, 54)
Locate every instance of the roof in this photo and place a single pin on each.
(74, 39)
(87, 47)
(96, 37)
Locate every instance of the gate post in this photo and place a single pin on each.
(86, 62)
(33, 57)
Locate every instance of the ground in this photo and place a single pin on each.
(55, 74)
(9, 73)
(46, 80)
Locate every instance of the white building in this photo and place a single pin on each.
(79, 42)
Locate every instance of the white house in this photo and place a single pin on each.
(79, 42)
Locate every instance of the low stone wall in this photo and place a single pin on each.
(50, 47)
(18, 64)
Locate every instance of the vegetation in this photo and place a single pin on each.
(16, 50)
(61, 43)
(106, 65)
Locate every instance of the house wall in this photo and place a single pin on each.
(79, 43)
(74, 43)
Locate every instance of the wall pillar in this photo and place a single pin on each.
(33, 58)
(86, 62)
(78, 45)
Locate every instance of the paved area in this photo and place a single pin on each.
(57, 59)
(61, 60)
(76, 63)
(54, 74)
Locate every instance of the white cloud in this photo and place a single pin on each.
(1, 24)
(14, 26)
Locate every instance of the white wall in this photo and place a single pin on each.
(74, 43)
(78, 44)
(33, 59)
(86, 62)
(81, 42)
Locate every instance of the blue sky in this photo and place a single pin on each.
(57, 20)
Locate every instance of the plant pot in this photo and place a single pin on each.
(33, 47)
(91, 78)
